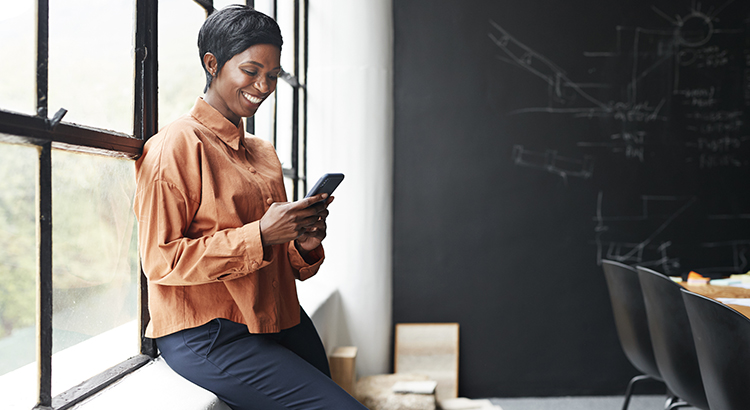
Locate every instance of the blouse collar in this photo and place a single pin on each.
(223, 128)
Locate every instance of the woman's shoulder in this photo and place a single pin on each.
(176, 145)
(183, 133)
(258, 144)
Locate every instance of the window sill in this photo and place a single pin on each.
(155, 386)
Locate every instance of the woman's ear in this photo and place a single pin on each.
(209, 61)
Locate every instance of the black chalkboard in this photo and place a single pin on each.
(534, 139)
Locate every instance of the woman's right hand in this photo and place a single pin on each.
(286, 221)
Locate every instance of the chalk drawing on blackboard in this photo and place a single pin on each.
(563, 91)
(651, 249)
(551, 162)
(569, 97)
(678, 47)
(738, 250)
(630, 144)
(696, 28)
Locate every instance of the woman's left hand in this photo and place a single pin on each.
(314, 234)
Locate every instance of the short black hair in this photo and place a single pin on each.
(232, 30)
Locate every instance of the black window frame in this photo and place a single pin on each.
(45, 133)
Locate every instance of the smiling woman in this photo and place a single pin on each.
(221, 246)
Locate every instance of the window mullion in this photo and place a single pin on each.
(250, 125)
(304, 96)
(44, 285)
(295, 106)
(146, 122)
(44, 218)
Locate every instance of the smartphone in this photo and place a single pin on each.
(326, 185)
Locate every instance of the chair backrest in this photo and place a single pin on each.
(630, 316)
(722, 341)
(672, 338)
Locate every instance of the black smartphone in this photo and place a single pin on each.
(326, 185)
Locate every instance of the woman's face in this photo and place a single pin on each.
(244, 82)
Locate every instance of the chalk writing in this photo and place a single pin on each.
(641, 112)
(698, 97)
(551, 162)
(708, 161)
(627, 143)
(708, 57)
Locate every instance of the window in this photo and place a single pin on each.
(72, 297)
(70, 274)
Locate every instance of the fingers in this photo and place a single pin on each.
(308, 202)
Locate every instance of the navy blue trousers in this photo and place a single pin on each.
(285, 370)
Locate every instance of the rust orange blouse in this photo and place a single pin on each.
(202, 187)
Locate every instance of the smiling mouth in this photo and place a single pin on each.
(253, 99)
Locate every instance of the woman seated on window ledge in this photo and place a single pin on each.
(220, 244)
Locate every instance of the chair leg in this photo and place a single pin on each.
(671, 399)
(678, 403)
(629, 390)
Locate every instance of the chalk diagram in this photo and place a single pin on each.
(661, 79)
(652, 249)
(649, 56)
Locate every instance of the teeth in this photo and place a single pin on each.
(252, 99)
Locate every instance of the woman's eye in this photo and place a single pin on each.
(250, 73)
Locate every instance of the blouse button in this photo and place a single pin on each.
(269, 201)
(275, 283)
(252, 170)
(255, 265)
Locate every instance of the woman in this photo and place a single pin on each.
(220, 245)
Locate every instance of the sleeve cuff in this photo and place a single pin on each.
(253, 251)
(304, 270)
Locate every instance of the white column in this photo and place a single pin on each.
(350, 128)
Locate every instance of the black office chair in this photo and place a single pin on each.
(672, 339)
(722, 341)
(631, 323)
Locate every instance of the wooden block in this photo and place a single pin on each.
(343, 367)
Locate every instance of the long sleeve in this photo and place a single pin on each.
(171, 258)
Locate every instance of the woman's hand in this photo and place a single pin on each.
(314, 235)
(303, 221)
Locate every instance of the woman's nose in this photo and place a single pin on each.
(262, 85)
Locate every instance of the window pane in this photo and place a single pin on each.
(264, 6)
(95, 266)
(181, 78)
(264, 119)
(91, 63)
(18, 87)
(284, 95)
(18, 271)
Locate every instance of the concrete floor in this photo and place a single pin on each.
(655, 402)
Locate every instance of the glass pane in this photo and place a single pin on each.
(18, 88)
(264, 120)
(91, 63)
(181, 77)
(18, 272)
(284, 123)
(265, 6)
(220, 4)
(302, 147)
(95, 266)
(285, 18)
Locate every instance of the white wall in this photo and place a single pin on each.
(350, 130)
